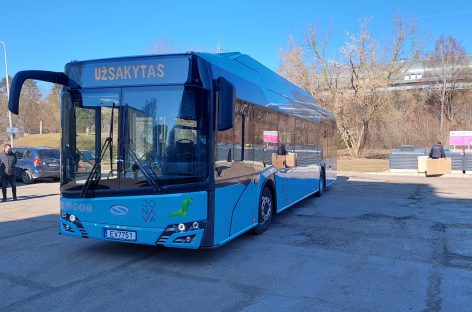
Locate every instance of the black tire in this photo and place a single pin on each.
(27, 177)
(266, 211)
(321, 184)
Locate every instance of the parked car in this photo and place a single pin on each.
(37, 163)
(86, 162)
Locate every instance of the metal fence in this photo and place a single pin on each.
(406, 158)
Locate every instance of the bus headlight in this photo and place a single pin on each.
(195, 225)
(181, 227)
(71, 218)
(185, 239)
(67, 228)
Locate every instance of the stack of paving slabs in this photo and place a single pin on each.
(284, 161)
(438, 166)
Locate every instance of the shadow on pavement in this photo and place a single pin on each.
(28, 197)
(379, 225)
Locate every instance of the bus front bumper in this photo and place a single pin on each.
(169, 237)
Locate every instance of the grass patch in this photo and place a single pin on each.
(84, 141)
(365, 165)
(49, 139)
(368, 153)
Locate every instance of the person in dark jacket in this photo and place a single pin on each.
(437, 151)
(8, 161)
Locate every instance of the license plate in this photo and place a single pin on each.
(120, 235)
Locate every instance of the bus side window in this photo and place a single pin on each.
(312, 151)
(224, 153)
(230, 148)
(224, 146)
(301, 133)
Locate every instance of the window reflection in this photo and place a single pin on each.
(155, 132)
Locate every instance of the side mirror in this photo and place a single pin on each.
(21, 76)
(226, 99)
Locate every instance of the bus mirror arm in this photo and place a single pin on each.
(226, 98)
(48, 76)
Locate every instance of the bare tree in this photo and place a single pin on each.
(3, 110)
(362, 94)
(3, 117)
(447, 66)
(354, 84)
(403, 44)
(462, 103)
(30, 102)
(295, 69)
(161, 46)
(51, 108)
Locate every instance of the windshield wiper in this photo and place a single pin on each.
(95, 174)
(125, 143)
(149, 175)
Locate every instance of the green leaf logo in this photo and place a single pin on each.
(182, 212)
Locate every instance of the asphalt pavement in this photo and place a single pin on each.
(370, 243)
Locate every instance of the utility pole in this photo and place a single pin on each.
(8, 89)
(218, 46)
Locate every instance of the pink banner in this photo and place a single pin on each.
(271, 136)
(460, 138)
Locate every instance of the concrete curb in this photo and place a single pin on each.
(406, 173)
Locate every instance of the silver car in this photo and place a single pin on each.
(37, 163)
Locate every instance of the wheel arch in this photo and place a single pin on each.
(323, 170)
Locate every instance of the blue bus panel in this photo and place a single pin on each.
(152, 220)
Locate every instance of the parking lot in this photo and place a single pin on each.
(371, 243)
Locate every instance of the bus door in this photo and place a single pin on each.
(284, 183)
(95, 121)
(304, 179)
(235, 196)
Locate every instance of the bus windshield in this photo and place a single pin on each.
(137, 137)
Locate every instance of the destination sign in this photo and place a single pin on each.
(143, 71)
(132, 71)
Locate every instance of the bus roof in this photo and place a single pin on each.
(254, 82)
(258, 84)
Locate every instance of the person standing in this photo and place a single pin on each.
(437, 151)
(8, 161)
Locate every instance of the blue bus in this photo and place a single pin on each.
(184, 150)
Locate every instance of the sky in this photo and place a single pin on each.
(47, 34)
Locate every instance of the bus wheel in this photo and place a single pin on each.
(266, 205)
(321, 184)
